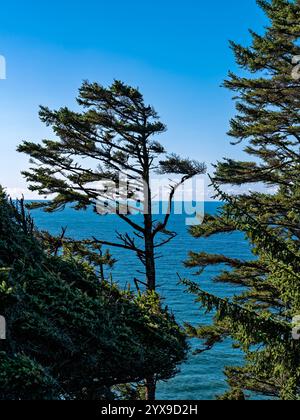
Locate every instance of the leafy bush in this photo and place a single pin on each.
(70, 335)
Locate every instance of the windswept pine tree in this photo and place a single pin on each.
(259, 319)
(114, 140)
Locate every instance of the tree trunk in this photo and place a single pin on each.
(150, 389)
(149, 257)
(151, 285)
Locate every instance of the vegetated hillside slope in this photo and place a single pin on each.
(70, 335)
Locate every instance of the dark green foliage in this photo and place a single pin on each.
(259, 318)
(70, 334)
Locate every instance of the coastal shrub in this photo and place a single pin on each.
(71, 335)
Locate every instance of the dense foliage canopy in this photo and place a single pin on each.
(70, 334)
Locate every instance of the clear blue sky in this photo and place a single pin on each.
(175, 51)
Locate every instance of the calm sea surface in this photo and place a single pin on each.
(201, 378)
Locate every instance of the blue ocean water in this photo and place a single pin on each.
(201, 378)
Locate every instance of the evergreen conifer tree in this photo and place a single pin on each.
(114, 136)
(260, 319)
